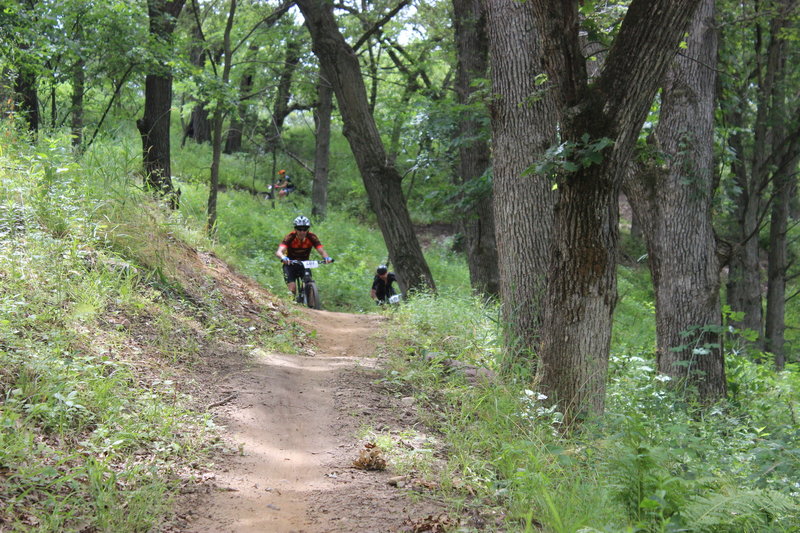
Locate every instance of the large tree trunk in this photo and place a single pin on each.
(523, 126)
(154, 130)
(27, 97)
(154, 125)
(775, 323)
(322, 123)
(382, 181)
(672, 199)
(599, 125)
(199, 126)
(477, 224)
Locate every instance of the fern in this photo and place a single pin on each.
(739, 511)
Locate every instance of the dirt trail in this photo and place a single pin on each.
(294, 420)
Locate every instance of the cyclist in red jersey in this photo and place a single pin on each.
(296, 246)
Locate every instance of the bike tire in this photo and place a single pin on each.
(312, 296)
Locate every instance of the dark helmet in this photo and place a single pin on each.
(382, 270)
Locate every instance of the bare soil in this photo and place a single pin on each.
(292, 424)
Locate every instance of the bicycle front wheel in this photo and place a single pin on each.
(312, 296)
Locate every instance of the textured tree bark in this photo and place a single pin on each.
(154, 124)
(27, 97)
(322, 123)
(199, 126)
(783, 190)
(477, 224)
(672, 199)
(775, 323)
(581, 291)
(382, 181)
(523, 126)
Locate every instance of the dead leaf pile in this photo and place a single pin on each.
(370, 458)
(434, 524)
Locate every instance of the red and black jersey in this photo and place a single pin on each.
(300, 250)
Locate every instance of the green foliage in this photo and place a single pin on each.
(653, 463)
(570, 156)
(82, 442)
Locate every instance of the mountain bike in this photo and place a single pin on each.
(307, 292)
(392, 299)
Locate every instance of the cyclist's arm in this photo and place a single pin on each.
(281, 251)
(322, 251)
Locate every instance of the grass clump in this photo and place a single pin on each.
(654, 462)
(97, 427)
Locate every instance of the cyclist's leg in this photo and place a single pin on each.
(298, 276)
(290, 275)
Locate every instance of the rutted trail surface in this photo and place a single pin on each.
(291, 422)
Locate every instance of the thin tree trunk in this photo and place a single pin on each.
(477, 223)
(233, 141)
(78, 82)
(219, 116)
(756, 159)
(322, 123)
(280, 108)
(523, 127)
(341, 68)
(672, 198)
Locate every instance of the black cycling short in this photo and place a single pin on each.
(292, 271)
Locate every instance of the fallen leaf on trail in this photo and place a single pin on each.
(370, 458)
(434, 524)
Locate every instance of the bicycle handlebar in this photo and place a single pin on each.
(300, 262)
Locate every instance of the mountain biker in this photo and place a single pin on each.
(285, 186)
(382, 285)
(296, 246)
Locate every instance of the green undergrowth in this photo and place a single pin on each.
(654, 462)
(99, 330)
(251, 227)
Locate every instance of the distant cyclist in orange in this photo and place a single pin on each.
(285, 186)
(296, 246)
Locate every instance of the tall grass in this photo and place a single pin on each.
(87, 439)
(90, 440)
(251, 227)
(654, 462)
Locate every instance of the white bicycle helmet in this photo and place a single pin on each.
(302, 221)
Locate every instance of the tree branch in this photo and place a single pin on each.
(108, 107)
(379, 24)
